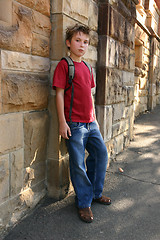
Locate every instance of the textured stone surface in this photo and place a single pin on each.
(58, 48)
(42, 6)
(41, 24)
(113, 88)
(4, 178)
(35, 137)
(11, 132)
(118, 110)
(40, 45)
(24, 91)
(31, 196)
(17, 162)
(0, 85)
(34, 174)
(104, 117)
(25, 22)
(77, 10)
(58, 178)
(22, 26)
(24, 62)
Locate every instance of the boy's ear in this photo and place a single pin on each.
(68, 43)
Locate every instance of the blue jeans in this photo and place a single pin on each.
(87, 179)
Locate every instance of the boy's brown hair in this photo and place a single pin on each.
(70, 31)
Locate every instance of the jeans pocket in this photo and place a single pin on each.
(75, 125)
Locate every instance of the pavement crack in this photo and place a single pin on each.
(133, 178)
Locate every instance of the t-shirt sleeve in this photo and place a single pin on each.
(60, 75)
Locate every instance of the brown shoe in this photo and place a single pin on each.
(85, 214)
(103, 200)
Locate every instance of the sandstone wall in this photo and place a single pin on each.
(125, 59)
(24, 119)
(147, 60)
(115, 73)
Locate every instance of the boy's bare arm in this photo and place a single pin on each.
(94, 111)
(64, 129)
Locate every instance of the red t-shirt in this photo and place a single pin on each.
(82, 110)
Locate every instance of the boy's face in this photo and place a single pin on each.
(78, 45)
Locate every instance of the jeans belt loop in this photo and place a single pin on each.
(88, 127)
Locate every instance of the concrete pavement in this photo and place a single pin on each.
(135, 210)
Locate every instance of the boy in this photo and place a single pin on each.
(81, 130)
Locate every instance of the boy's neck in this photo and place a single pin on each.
(75, 58)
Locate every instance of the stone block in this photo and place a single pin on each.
(143, 93)
(120, 127)
(56, 145)
(93, 16)
(131, 121)
(78, 10)
(132, 60)
(124, 57)
(8, 209)
(111, 150)
(109, 86)
(108, 52)
(117, 26)
(40, 45)
(11, 132)
(17, 163)
(142, 35)
(53, 137)
(129, 36)
(41, 24)
(93, 38)
(30, 3)
(16, 207)
(152, 89)
(24, 91)
(21, 30)
(91, 56)
(6, 13)
(58, 47)
(9, 36)
(119, 143)
(118, 111)
(112, 53)
(31, 196)
(58, 178)
(36, 125)
(126, 140)
(104, 117)
(158, 99)
(34, 174)
(104, 15)
(128, 10)
(103, 51)
(56, 6)
(53, 67)
(129, 95)
(4, 178)
(128, 78)
(24, 62)
(0, 85)
(43, 6)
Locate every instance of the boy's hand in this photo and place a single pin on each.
(64, 130)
